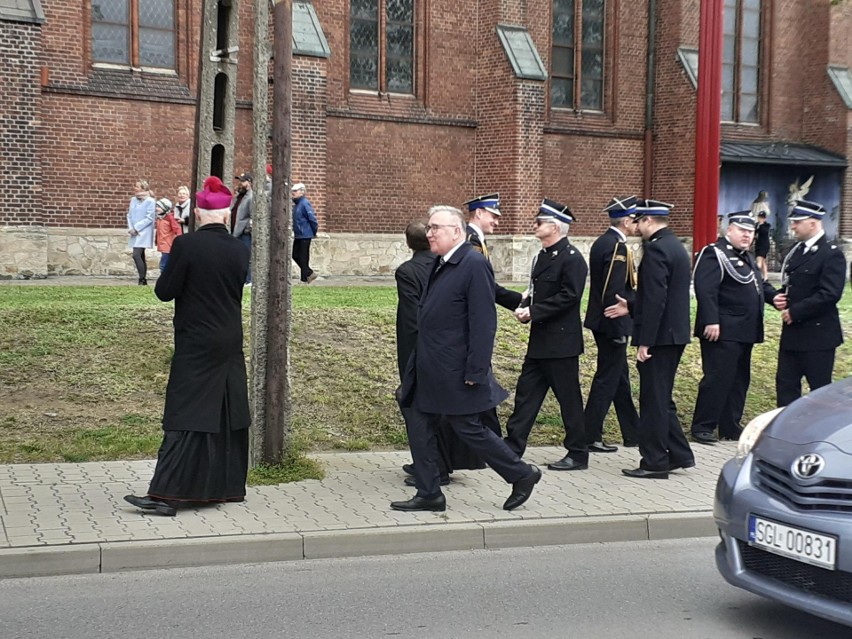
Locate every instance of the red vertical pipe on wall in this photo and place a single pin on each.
(707, 124)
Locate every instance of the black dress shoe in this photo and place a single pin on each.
(410, 481)
(436, 504)
(408, 469)
(600, 447)
(731, 437)
(566, 463)
(147, 503)
(704, 438)
(522, 489)
(630, 444)
(689, 463)
(642, 473)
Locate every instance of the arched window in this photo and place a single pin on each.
(741, 62)
(577, 54)
(381, 45)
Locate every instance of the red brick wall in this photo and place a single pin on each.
(20, 161)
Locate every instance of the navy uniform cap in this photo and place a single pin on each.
(743, 219)
(554, 210)
(803, 209)
(621, 206)
(652, 207)
(490, 203)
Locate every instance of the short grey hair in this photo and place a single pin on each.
(444, 208)
(563, 228)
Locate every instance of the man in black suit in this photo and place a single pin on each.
(661, 331)
(612, 273)
(552, 307)
(204, 454)
(728, 323)
(812, 279)
(449, 377)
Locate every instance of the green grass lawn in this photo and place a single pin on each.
(83, 371)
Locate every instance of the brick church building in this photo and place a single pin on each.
(401, 104)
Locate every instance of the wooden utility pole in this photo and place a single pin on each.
(272, 423)
(708, 126)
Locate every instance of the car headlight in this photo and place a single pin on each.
(753, 431)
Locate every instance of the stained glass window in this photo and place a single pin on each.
(381, 45)
(577, 54)
(119, 24)
(741, 61)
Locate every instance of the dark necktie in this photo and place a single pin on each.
(441, 262)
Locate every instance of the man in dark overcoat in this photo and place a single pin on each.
(728, 322)
(204, 454)
(449, 378)
(661, 330)
(612, 272)
(812, 279)
(552, 361)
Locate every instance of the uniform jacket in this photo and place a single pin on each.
(140, 216)
(242, 221)
(736, 306)
(457, 323)
(558, 280)
(661, 310)
(205, 278)
(411, 279)
(608, 269)
(503, 296)
(305, 223)
(813, 282)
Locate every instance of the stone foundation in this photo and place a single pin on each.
(35, 252)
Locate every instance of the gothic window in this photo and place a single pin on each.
(138, 33)
(577, 54)
(741, 62)
(381, 45)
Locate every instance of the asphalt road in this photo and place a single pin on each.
(656, 590)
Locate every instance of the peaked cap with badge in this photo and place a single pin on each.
(490, 203)
(551, 209)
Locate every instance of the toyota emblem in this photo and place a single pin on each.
(808, 466)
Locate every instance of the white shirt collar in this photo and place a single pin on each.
(449, 253)
(478, 232)
(619, 233)
(809, 243)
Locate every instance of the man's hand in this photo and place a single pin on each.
(780, 301)
(644, 353)
(786, 317)
(711, 332)
(522, 314)
(619, 309)
(469, 383)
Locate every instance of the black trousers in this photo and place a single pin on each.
(141, 264)
(302, 257)
(610, 385)
(470, 429)
(537, 376)
(722, 390)
(661, 438)
(815, 366)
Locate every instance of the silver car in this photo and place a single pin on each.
(784, 505)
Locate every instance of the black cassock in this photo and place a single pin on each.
(204, 454)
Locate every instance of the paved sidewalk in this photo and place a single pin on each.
(71, 518)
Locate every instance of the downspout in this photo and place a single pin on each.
(650, 81)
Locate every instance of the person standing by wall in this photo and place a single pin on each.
(183, 208)
(167, 230)
(245, 208)
(140, 227)
(305, 227)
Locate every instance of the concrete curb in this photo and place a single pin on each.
(110, 557)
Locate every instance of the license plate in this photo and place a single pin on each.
(795, 543)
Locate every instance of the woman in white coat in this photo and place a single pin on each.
(140, 227)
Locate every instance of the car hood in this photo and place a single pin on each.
(824, 415)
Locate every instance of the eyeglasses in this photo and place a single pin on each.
(435, 227)
(540, 222)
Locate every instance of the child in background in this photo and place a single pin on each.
(167, 230)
